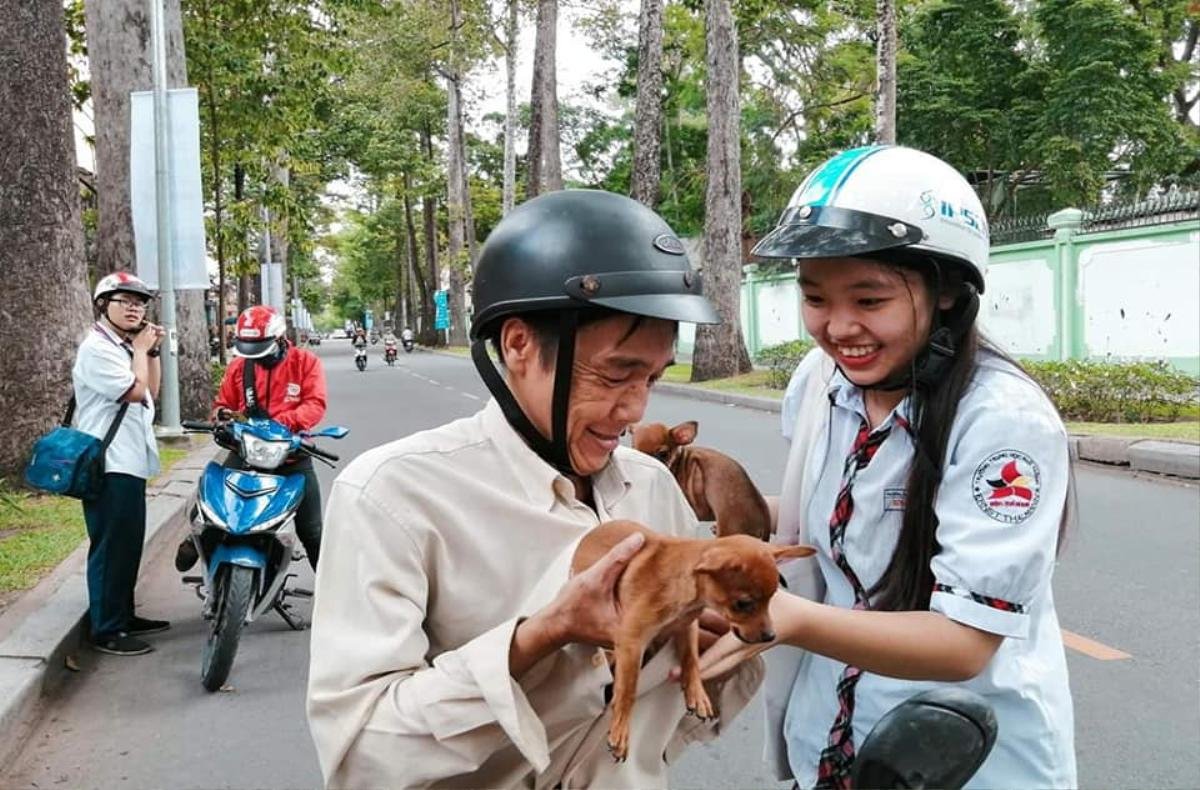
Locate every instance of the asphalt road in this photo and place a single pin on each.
(1129, 580)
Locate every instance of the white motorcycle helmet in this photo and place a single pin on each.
(868, 200)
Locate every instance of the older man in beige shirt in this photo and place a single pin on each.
(449, 646)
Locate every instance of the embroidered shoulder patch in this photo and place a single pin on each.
(1007, 486)
(293, 390)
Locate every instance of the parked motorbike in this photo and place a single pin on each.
(243, 527)
(360, 358)
(389, 354)
(938, 738)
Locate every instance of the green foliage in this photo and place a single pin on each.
(1117, 392)
(218, 375)
(781, 361)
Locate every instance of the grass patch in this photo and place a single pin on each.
(756, 382)
(1188, 431)
(36, 533)
(460, 351)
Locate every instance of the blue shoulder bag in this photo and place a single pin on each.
(70, 462)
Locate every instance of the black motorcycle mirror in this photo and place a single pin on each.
(938, 738)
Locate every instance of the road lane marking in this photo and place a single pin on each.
(1092, 648)
(472, 397)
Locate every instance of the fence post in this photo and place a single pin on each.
(750, 294)
(1066, 224)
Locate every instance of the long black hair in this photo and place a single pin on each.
(907, 583)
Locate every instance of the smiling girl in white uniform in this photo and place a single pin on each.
(931, 472)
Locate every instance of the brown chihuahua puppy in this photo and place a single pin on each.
(716, 486)
(665, 587)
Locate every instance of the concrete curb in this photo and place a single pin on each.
(43, 628)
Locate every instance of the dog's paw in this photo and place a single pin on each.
(698, 703)
(618, 740)
(619, 753)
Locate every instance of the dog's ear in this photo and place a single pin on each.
(685, 432)
(790, 552)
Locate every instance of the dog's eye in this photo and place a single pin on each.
(744, 605)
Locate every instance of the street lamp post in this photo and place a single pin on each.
(169, 392)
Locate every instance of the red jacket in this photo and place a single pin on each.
(293, 391)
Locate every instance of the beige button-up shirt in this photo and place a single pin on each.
(435, 547)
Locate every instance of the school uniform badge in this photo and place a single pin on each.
(1008, 486)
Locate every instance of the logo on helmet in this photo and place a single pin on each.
(669, 244)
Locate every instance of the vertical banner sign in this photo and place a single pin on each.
(187, 199)
(441, 303)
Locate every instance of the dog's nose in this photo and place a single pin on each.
(767, 636)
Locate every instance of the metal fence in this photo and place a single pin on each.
(1172, 205)
(1013, 230)
(1176, 204)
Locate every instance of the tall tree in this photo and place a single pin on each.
(648, 115)
(120, 62)
(885, 72)
(41, 233)
(456, 188)
(545, 159)
(720, 350)
(511, 28)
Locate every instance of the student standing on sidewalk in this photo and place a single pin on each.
(118, 365)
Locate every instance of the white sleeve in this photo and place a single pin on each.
(794, 396)
(999, 508)
(106, 369)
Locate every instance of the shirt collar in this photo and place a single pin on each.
(111, 335)
(845, 394)
(542, 483)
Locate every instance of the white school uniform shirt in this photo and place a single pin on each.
(999, 508)
(103, 373)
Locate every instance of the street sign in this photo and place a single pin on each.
(368, 320)
(441, 303)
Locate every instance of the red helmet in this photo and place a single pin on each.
(259, 329)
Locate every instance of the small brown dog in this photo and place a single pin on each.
(716, 486)
(665, 587)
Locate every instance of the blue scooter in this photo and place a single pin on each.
(243, 527)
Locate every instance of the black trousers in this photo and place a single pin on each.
(116, 527)
(308, 515)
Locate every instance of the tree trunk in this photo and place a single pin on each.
(544, 157)
(885, 72)
(41, 232)
(648, 116)
(417, 280)
(508, 196)
(720, 350)
(119, 58)
(429, 210)
(456, 191)
(551, 155)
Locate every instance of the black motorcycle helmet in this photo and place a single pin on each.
(567, 252)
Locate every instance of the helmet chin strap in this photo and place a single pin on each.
(934, 360)
(554, 450)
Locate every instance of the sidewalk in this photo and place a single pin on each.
(40, 632)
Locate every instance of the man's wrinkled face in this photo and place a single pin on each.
(617, 361)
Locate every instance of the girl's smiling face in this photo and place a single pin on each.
(871, 318)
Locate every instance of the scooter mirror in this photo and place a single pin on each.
(333, 432)
(938, 738)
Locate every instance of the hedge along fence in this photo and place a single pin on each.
(1082, 390)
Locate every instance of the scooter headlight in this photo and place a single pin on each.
(263, 454)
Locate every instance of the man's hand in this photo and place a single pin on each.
(712, 627)
(585, 611)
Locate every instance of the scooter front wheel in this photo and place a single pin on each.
(234, 591)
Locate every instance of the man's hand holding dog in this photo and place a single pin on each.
(585, 611)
